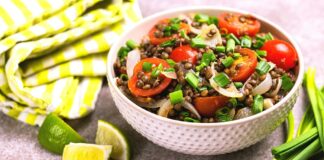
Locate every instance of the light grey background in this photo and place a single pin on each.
(302, 19)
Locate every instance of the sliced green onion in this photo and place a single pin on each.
(175, 20)
(201, 66)
(287, 83)
(236, 55)
(222, 80)
(189, 119)
(230, 45)
(160, 67)
(168, 43)
(167, 29)
(198, 42)
(232, 36)
(263, 67)
(257, 106)
(202, 18)
(184, 35)
(176, 97)
(261, 53)
(175, 27)
(156, 71)
(258, 44)
(220, 49)
(268, 37)
(131, 44)
(233, 101)
(124, 77)
(147, 66)
(192, 79)
(123, 51)
(223, 115)
(228, 61)
(208, 57)
(170, 70)
(246, 42)
(185, 113)
(213, 20)
(178, 87)
(202, 89)
(171, 62)
(167, 33)
(238, 84)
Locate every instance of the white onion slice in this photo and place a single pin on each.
(171, 75)
(276, 90)
(231, 91)
(267, 103)
(165, 109)
(189, 21)
(211, 41)
(191, 108)
(264, 86)
(133, 58)
(272, 66)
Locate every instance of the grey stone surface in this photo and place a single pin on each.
(304, 20)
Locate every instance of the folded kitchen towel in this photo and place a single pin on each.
(53, 54)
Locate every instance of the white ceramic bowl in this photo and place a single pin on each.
(201, 138)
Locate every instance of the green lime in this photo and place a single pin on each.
(108, 134)
(54, 134)
(82, 151)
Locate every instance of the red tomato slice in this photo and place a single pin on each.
(247, 64)
(148, 92)
(207, 106)
(239, 24)
(156, 41)
(182, 53)
(281, 53)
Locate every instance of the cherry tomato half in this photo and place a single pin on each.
(207, 106)
(239, 24)
(281, 53)
(182, 53)
(244, 66)
(148, 92)
(156, 41)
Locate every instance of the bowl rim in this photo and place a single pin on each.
(111, 79)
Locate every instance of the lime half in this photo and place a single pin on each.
(54, 134)
(108, 134)
(82, 151)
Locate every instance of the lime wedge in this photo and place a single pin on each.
(82, 151)
(54, 134)
(108, 134)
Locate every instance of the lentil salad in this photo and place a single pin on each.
(201, 68)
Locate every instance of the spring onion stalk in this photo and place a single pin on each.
(208, 57)
(198, 42)
(309, 150)
(236, 55)
(307, 122)
(202, 18)
(220, 49)
(192, 79)
(184, 35)
(232, 36)
(131, 44)
(246, 42)
(238, 84)
(257, 106)
(176, 97)
(263, 67)
(171, 62)
(283, 151)
(290, 126)
(312, 91)
(261, 53)
(168, 43)
(222, 80)
(230, 45)
(227, 62)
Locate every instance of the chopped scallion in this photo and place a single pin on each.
(223, 115)
(230, 45)
(236, 55)
(208, 57)
(287, 83)
(263, 67)
(176, 97)
(192, 79)
(238, 84)
(178, 87)
(220, 49)
(222, 80)
(233, 101)
(170, 70)
(171, 62)
(184, 35)
(185, 113)
(189, 119)
(131, 44)
(261, 53)
(202, 89)
(124, 77)
(147, 66)
(198, 42)
(257, 106)
(228, 61)
(246, 42)
(258, 44)
(201, 66)
(268, 37)
(213, 20)
(202, 18)
(175, 20)
(123, 51)
(168, 43)
(232, 36)
(175, 27)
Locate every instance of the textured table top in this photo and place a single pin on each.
(304, 21)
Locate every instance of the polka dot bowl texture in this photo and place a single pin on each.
(201, 138)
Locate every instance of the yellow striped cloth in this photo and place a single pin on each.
(53, 54)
